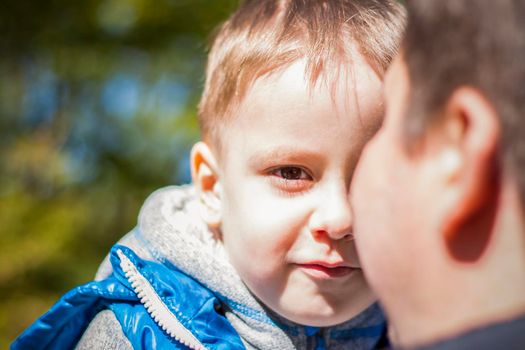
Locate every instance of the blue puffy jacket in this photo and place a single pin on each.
(157, 307)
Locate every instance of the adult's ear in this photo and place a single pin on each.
(205, 177)
(467, 159)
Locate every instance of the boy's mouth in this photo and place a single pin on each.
(322, 270)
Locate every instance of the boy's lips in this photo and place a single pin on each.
(324, 270)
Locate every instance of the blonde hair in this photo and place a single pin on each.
(265, 35)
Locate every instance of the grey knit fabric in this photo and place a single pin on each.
(104, 332)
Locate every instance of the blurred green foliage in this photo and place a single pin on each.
(97, 109)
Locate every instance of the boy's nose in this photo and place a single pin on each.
(333, 216)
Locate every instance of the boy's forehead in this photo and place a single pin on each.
(342, 83)
(288, 92)
(284, 100)
(250, 46)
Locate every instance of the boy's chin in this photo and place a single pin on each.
(326, 316)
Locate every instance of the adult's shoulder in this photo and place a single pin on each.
(508, 335)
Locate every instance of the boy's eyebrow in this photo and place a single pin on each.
(288, 154)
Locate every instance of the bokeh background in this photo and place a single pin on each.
(97, 109)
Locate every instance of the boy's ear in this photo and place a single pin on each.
(466, 160)
(204, 173)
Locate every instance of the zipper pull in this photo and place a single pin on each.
(319, 340)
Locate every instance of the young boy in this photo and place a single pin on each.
(258, 252)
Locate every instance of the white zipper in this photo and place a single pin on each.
(160, 313)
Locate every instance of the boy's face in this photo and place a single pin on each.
(285, 170)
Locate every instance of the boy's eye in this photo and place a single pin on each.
(292, 173)
(291, 179)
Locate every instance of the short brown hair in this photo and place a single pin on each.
(264, 35)
(476, 43)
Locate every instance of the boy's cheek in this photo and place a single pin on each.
(260, 197)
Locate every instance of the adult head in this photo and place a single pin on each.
(439, 192)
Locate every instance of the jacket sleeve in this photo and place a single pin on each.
(104, 332)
